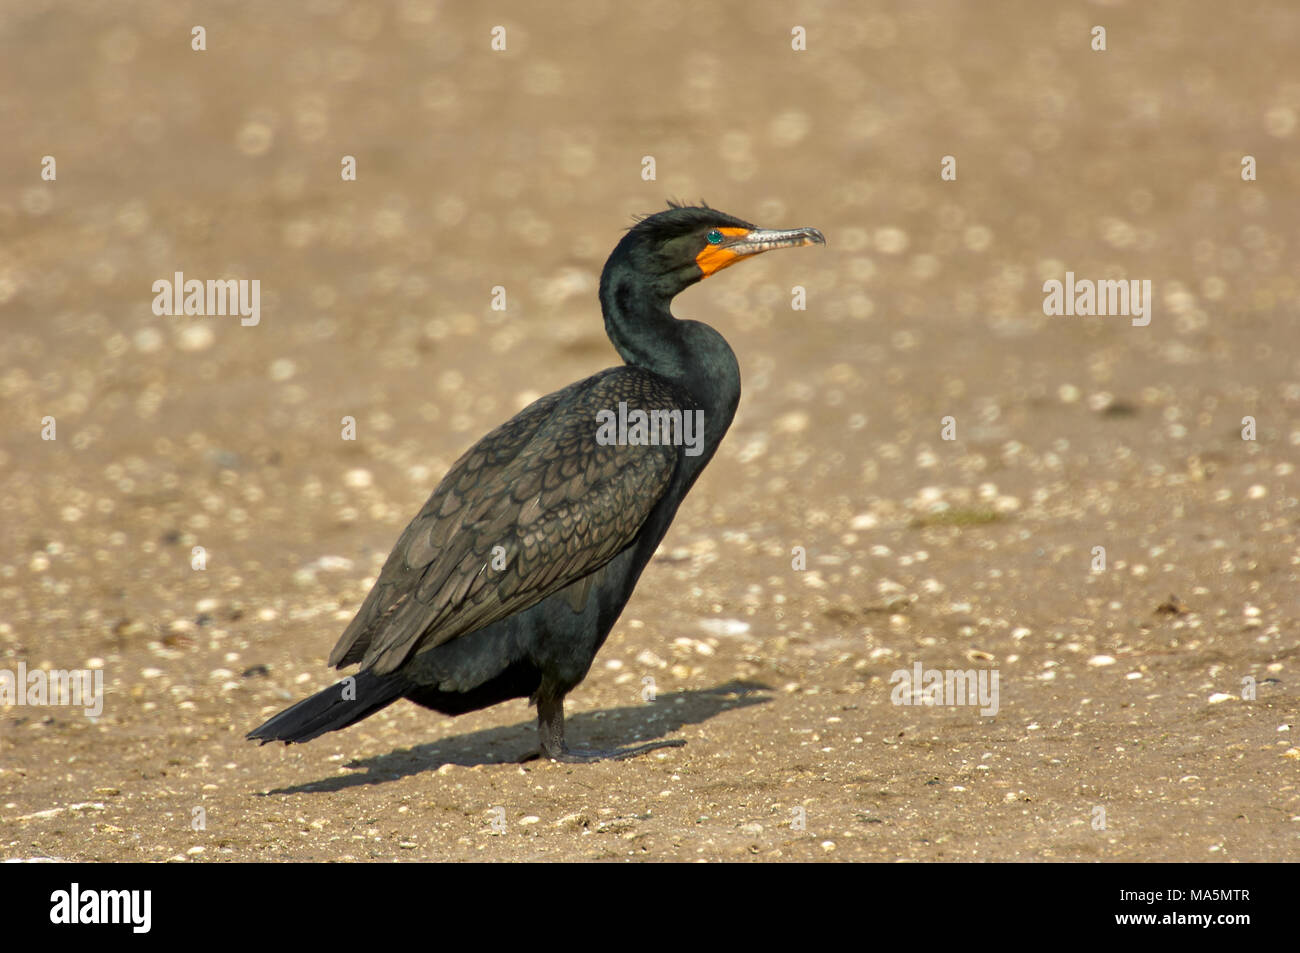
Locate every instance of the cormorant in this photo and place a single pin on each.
(510, 578)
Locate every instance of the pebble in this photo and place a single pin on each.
(890, 241)
(358, 478)
(796, 421)
(282, 369)
(196, 337)
(701, 648)
(334, 564)
(148, 340)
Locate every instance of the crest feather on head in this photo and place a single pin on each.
(680, 218)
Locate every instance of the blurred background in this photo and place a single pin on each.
(520, 168)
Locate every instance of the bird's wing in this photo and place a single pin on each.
(558, 504)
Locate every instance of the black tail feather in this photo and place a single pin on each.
(336, 707)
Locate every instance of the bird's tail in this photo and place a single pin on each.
(338, 706)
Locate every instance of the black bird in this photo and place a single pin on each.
(510, 578)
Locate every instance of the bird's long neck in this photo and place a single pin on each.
(640, 325)
(690, 354)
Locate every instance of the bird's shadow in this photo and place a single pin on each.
(510, 743)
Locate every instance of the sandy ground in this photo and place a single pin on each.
(1120, 688)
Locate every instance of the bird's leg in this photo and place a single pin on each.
(550, 732)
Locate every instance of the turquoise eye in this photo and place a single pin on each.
(714, 237)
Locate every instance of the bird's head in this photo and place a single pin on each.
(673, 249)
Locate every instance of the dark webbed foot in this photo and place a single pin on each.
(550, 731)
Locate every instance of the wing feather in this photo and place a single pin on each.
(540, 486)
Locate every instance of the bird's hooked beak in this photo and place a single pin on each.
(738, 242)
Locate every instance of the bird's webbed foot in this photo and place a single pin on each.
(550, 732)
